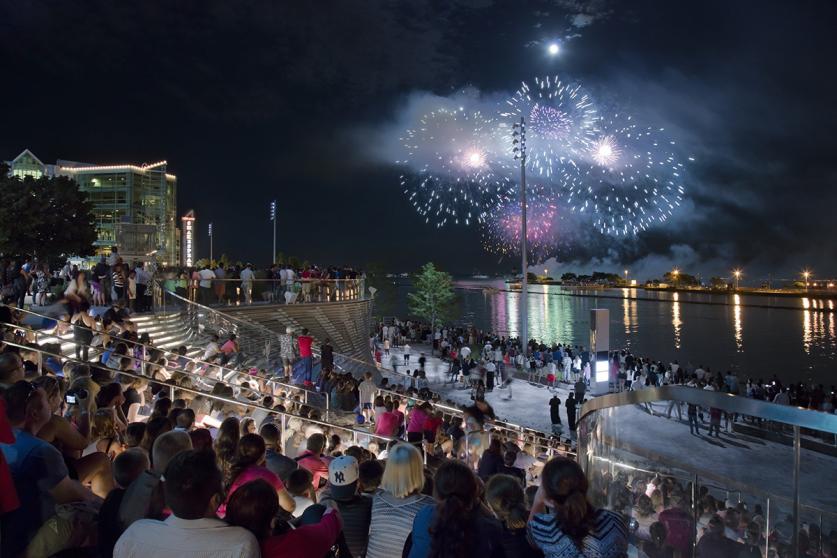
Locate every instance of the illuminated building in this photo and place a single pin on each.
(134, 205)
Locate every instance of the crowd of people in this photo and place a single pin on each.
(136, 451)
(220, 284)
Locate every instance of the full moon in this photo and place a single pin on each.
(553, 49)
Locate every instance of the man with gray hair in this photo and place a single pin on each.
(144, 497)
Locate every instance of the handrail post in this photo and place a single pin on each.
(282, 433)
(767, 528)
(797, 456)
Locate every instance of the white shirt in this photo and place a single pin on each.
(206, 276)
(465, 352)
(406, 349)
(211, 350)
(185, 538)
(247, 275)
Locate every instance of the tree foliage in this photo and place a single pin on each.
(433, 297)
(49, 218)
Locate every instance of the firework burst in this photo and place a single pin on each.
(501, 232)
(455, 167)
(561, 124)
(631, 178)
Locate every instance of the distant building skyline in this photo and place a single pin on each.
(135, 206)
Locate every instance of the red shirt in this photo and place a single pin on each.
(316, 465)
(305, 342)
(309, 540)
(8, 494)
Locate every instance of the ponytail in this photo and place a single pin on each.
(564, 483)
(574, 515)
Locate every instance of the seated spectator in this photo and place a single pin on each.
(679, 524)
(314, 460)
(248, 465)
(255, 506)
(40, 476)
(144, 498)
(226, 444)
(134, 434)
(355, 508)
(508, 468)
(655, 546)
(11, 369)
(504, 495)
(395, 506)
(456, 525)
(371, 472)
(714, 544)
(492, 459)
(281, 465)
(193, 490)
(299, 486)
(573, 527)
(127, 467)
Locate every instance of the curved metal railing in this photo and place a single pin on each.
(606, 424)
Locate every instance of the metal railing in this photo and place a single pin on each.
(358, 435)
(235, 291)
(226, 373)
(599, 440)
(538, 439)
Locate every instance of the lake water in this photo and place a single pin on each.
(758, 336)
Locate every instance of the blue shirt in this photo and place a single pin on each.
(36, 467)
(486, 541)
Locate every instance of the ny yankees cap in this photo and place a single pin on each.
(343, 473)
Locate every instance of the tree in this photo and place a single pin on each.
(718, 283)
(569, 277)
(49, 218)
(433, 299)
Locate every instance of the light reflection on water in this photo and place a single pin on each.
(795, 338)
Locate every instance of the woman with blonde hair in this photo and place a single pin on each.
(395, 506)
(104, 435)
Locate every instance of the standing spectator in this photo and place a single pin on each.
(219, 285)
(118, 279)
(366, 392)
(230, 351)
(304, 343)
(555, 414)
(143, 278)
(193, 485)
(571, 405)
(287, 352)
(280, 464)
(395, 506)
(205, 277)
(247, 278)
(327, 355)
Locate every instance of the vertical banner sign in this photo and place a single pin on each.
(600, 350)
(187, 243)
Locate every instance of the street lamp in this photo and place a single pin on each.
(519, 150)
(210, 244)
(273, 218)
(626, 276)
(806, 274)
(737, 274)
(675, 273)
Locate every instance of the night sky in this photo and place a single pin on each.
(254, 100)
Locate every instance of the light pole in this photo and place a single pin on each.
(273, 218)
(210, 244)
(806, 274)
(676, 274)
(626, 277)
(519, 150)
(737, 274)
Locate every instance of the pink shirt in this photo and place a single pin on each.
(387, 424)
(254, 472)
(417, 420)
